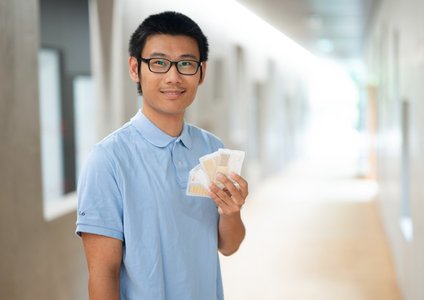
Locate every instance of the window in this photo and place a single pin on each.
(405, 218)
(66, 101)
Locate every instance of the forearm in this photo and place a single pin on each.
(229, 201)
(231, 233)
(104, 287)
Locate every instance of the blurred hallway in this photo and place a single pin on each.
(349, 72)
(312, 234)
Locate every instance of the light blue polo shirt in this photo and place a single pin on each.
(132, 188)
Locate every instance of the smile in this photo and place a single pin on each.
(172, 93)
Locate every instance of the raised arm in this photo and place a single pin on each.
(104, 256)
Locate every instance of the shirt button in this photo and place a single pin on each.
(180, 163)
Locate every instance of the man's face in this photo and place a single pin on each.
(169, 93)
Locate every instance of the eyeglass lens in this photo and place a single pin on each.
(162, 65)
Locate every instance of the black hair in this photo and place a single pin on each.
(168, 22)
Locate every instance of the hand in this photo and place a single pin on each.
(230, 199)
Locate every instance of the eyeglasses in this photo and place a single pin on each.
(162, 65)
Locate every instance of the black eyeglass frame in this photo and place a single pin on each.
(147, 61)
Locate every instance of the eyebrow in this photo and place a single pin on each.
(159, 54)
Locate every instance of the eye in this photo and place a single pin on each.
(157, 62)
(187, 64)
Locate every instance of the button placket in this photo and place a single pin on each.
(179, 163)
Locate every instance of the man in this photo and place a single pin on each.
(143, 237)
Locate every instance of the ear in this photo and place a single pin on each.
(202, 79)
(133, 69)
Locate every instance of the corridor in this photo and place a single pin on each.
(324, 97)
(312, 234)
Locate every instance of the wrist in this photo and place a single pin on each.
(231, 217)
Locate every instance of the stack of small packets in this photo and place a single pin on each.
(223, 161)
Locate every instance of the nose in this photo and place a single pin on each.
(173, 75)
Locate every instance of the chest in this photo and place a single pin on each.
(154, 188)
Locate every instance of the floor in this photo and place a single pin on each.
(312, 233)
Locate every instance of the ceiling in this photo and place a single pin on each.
(335, 28)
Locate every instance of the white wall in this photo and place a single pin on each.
(396, 64)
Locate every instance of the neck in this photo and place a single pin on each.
(171, 124)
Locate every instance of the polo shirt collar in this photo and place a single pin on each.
(185, 137)
(156, 136)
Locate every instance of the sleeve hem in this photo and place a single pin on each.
(84, 228)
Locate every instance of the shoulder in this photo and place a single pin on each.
(116, 138)
(200, 135)
(119, 143)
(108, 157)
(111, 150)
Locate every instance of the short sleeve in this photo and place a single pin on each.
(99, 197)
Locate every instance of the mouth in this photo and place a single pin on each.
(173, 93)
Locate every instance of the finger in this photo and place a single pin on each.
(219, 194)
(224, 197)
(218, 201)
(223, 208)
(236, 196)
(225, 202)
(228, 207)
(227, 192)
(244, 186)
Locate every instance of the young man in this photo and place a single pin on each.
(144, 238)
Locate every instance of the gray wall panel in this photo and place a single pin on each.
(38, 260)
